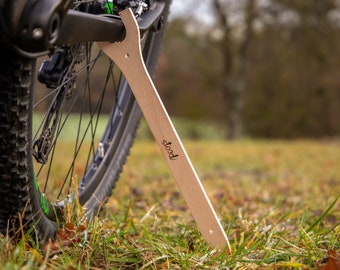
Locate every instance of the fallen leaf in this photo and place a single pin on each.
(65, 238)
(332, 262)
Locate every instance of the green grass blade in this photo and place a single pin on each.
(318, 220)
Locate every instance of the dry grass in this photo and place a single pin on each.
(277, 201)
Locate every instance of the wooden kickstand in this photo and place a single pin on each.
(128, 57)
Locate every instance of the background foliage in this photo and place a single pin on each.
(292, 68)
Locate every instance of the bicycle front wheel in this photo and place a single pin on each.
(81, 111)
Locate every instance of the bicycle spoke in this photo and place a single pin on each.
(68, 125)
(84, 94)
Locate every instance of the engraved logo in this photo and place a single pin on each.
(168, 148)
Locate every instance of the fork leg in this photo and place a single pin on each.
(127, 55)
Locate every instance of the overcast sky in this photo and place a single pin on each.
(199, 9)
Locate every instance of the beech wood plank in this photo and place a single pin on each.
(128, 56)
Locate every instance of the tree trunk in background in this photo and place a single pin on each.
(235, 62)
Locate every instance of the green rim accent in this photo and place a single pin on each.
(43, 202)
(109, 7)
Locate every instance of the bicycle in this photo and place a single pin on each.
(68, 102)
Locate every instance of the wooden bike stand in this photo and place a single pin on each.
(128, 57)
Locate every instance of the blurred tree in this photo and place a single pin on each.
(295, 75)
(275, 66)
(187, 74)
(235, 56)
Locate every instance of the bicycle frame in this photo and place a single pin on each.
(33, 26)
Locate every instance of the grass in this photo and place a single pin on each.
(278, 202)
